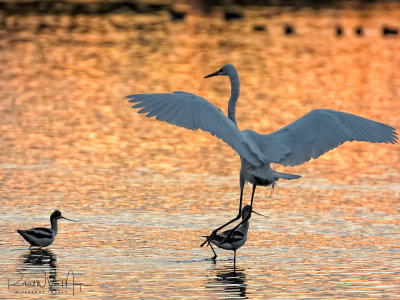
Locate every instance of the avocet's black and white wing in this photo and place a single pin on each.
(37, 236)
(38, 232)
(236, 236)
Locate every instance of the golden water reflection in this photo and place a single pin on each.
(145, 192)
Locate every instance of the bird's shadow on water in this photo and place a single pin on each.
(228, 280)
(39, 258)
(38, 267)
(39, 261)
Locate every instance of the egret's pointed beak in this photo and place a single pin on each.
(259, 214)
(212, 74)
(69, 219)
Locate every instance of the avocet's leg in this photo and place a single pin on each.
(212, 235)
(245, 219)
(234, 260)
(215, 254)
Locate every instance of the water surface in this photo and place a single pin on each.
(145, 192)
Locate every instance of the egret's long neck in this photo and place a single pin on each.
(235, 89)
(54, 224)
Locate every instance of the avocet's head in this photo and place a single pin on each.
(57, 215)
(224, 71)
(246, 211)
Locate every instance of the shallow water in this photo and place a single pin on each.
(145, 192)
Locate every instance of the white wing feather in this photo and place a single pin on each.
(318, 132)
(308, 137)
(193, 112)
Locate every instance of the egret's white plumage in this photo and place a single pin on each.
(308, 137)
(43, 237)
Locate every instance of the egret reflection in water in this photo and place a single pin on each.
(308, 137)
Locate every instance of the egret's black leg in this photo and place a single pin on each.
(245, 219)
(215, 254)
(231, 221)
(272, 190)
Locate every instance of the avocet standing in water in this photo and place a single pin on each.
(43, 237)
(236, 239)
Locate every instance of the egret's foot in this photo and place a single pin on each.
(208, 240)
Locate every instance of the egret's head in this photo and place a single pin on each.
(225, 70)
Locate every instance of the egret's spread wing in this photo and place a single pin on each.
(320, 131)
(194, 112)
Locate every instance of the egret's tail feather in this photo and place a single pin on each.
(285, 176)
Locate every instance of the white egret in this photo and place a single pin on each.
(312, 135)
